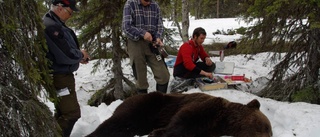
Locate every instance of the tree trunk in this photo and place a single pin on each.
(197, 8)
(218, 8)
(185, 20)
(313, 64)
(314, 56)
(116, 68)
(176, 18)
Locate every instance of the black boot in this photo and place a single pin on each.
(162, 87)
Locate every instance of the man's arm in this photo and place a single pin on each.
(204, 56)
(128, 25)
(207, 74)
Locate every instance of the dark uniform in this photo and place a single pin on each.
(65, 55)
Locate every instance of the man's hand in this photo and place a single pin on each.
(208, 61)
(207, 74)
(86, 58)
(159, 42)
(147, 37)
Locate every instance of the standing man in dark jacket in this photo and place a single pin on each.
(187, 64)
(142, 23)
(65, 55)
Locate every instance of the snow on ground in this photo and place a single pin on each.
(287, 119)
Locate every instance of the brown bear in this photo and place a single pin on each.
(184, 115)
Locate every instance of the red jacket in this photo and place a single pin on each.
(189, 54)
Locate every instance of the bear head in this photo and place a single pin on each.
(250, 121)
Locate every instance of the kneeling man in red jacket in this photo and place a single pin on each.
(187, 64)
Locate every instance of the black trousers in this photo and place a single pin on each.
(67, 107)
(182, 72)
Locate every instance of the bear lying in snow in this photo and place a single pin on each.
(184, 115)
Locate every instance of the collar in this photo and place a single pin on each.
(192, 43)
(55, 17)
(139, 2)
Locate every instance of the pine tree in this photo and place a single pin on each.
(24, 72)
(292, 27)
(100, 25)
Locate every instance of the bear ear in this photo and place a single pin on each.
(254, 104)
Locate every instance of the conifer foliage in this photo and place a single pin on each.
(292, 27)
(23, 72)
(100, 24)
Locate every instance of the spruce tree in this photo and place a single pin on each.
(292, 27)
(100, 25)
(24, 72)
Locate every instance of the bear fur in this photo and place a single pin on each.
(184, 115)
